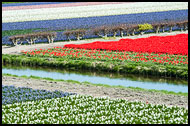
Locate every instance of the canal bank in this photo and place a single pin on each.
(97, 91)
(144, 82)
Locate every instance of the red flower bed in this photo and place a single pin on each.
(173, 44)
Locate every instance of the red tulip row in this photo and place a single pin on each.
(173, 44)
(110, 56)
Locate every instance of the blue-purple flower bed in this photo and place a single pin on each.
(88, 22)
(61, 37)
(33, 3)
(11, 94)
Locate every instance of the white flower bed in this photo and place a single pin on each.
(89, 11)
(87, 109)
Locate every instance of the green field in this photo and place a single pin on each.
(12, 2)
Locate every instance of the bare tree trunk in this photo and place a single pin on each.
(16, 42)
(171, 29)
(163, 30)
(128, 33)
(142, 32)
(114, 34)
(105, 35)
(157, 30)
(133, 32)
(78, 37)
(52, 39)
(181, 29)
(48, 39)
(185, 27)
(34, 39)
(29, 41)
(121, 32)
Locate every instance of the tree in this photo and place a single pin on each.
(134, 27)
(156, 26)
(163, 25)
(68, 34)
(114, 29)
(180, 25)
(171, 24)
(79, 33)
(16, 38)
(122, 28)
(49, 35)
(185, 25)
(31, 38)
(101, 30)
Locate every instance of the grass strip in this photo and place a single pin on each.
(94, 65)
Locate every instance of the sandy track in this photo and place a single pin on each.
(98, 91)
(19, 48)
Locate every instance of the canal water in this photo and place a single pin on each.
(102, 78)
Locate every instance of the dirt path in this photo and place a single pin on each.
(99, 91)
(19, 48)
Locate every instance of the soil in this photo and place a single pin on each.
(98, 91)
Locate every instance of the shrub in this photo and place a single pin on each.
(144, 27)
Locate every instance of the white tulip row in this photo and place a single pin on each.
(89, 11)
(87, 109)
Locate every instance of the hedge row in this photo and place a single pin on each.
(103, 31)
(126, 68)
(32, 37)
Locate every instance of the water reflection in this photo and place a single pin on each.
(102, 78)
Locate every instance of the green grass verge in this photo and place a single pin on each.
(104, 85)
(94, 65)
(18, 32)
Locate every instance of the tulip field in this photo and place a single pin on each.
(160, 56)
(83, 54)
(163, 51)
(95, 14)
(177, 44)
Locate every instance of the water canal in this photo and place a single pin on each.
(102, 78)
